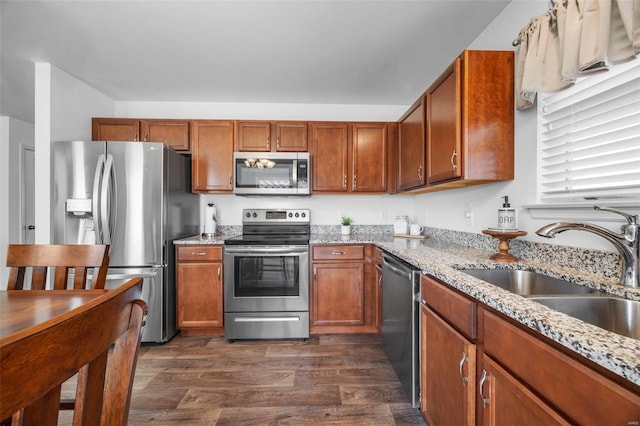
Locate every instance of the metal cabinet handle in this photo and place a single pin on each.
(198, 253)
(278, 142)
(338, 253)
(219, 271)
(420, 172)
(355, 181)
(146, 138)
(229, 180)
(452, 157)
(344, 184)
(135, 137)
(462, 361)
(268, 142)
(483, 379)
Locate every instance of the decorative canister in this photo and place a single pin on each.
(401, 225)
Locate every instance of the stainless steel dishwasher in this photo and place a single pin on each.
(400, 322)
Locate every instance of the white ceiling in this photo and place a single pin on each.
(319, 52)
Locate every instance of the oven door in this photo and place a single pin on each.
(266, 278)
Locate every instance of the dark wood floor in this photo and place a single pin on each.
(329, 379)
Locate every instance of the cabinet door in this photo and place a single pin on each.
(448, 376)
(291, 136)
(369, 157)
(412, 148)
(330, 156)
(253, 136)
(338, 294)
(212, 155)
(199, 295)
(507, 402)
(444, 126)
(115, 129)
(174, 133)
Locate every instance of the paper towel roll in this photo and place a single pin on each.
(210, 219)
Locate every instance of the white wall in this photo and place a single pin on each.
(244, 111)
(64, 106)
(14, 135)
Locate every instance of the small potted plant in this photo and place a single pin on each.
(345, 228)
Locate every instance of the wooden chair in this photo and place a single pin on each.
(64, 258)
(35, 364)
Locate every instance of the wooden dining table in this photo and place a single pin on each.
(47, 336)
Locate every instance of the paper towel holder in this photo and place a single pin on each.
(209, 221)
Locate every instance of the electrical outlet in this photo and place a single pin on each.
(468, 218)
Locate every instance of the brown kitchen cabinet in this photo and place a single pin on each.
(412, 148)
(448, 356)
(350, 157)
(343, 296)
(199, 278)
(505, 401)
(470, 121)
(521, 377)
(174, 133)
(212, 156)
(264, 136)
(115, 129)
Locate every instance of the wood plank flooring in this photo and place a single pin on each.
(329, 379)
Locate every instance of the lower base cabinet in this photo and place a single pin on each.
(506, 402)
(199, 290)
(343, 289)
(520, 377)
(448, 379)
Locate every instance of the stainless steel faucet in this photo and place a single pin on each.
(627, 242)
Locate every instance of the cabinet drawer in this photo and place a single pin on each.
(346, 252)
(582, 394)
(199, 253)
(457, 309)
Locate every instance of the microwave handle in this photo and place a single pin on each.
(294, 174)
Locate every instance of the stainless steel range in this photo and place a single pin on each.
(266, 276)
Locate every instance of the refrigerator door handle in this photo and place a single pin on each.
(97, 183)
(106, 199)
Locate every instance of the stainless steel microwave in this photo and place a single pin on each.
(271, 173)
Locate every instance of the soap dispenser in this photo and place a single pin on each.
(507, 216)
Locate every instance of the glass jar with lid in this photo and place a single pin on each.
(401, 225)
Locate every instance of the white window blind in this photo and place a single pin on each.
(589, 138)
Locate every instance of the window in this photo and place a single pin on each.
(589, 138)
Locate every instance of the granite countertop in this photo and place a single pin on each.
(442, 259)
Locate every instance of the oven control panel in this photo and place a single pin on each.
(276, 216)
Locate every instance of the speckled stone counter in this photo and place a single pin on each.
(442, 259)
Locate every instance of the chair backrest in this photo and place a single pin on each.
(79, 258)
(33, 370)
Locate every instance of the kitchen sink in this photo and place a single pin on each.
(621, 316)
(527, 283)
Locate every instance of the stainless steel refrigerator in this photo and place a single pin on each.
(135, 196)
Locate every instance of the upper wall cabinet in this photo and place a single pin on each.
(470, 120)
(350, 157)
(174, 133)
(264, 136)
(212, 155)
(412, 148)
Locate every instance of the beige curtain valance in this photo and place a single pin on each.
(574, 38)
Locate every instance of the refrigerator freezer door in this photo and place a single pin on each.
(77, 175)
(160, 324)
(137, 205)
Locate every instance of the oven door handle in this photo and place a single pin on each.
(267, 250)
